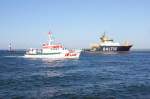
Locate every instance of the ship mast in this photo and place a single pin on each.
(50, 38)
(104, 38)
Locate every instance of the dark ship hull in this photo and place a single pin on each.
(108, 45)
(112, 48)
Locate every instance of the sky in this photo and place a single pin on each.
(74, 23)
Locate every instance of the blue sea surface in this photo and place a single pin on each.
(93, 76)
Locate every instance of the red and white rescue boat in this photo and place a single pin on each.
(52, 50)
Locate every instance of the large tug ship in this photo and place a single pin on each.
(108, 45)
(52, 50)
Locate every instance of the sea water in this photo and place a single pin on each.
(93, 76)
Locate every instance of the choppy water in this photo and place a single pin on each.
(93, 76)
